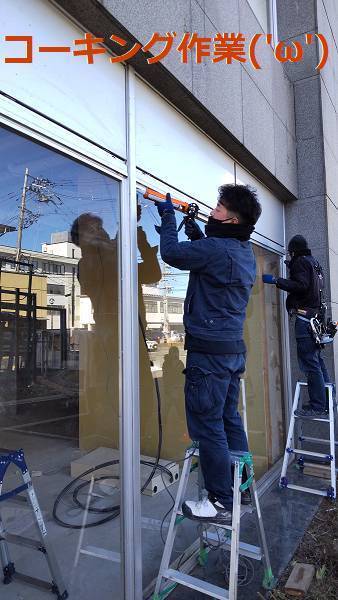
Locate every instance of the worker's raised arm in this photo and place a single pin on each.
(300, 278)
(182, 255)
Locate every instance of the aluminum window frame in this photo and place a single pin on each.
(15, 119)
(130, 427)
(272, 21)
(40, 128)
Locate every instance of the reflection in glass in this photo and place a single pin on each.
(97, 274)
(59, 339)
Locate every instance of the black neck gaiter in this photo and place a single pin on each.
(216, 228)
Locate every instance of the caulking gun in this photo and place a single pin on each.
(191, 211)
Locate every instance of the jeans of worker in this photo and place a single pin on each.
(211, 400)
(312, 364)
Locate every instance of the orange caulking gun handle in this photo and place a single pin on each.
(157, 197)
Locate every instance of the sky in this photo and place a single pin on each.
(79, 188)
(75, 189)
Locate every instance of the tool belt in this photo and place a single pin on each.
(311, 316)
(306, 314)
(322, 332)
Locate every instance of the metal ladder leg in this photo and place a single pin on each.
(6, 563)
(236, 517)
(58, 584)
(43, 545)
(269, 580)
(332, 443)
(290, 438)
(173, 521)
(203, 555)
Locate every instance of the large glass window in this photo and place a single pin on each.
(163, 424)
(59, 361)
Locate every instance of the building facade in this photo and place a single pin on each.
(97, 131)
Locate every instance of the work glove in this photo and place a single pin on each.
(166, 206)
(269, 279)
(193, 231)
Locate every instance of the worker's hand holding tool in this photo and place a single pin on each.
(193, 231)
(166, 206)
(269, 279)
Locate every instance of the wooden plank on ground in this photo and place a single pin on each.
(299, 580)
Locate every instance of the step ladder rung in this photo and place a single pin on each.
(19, 540)
(305, 438)
(197, 584)
(309, 453)
(300, 488)
(229, 527)
(244, 511)
(320, 419)
(245, 549)
(34, 581)
(235, 456)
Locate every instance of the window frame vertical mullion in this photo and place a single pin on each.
(129, 367)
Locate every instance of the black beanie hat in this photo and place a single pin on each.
(297, 244)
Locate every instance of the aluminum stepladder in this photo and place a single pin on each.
(292, 449)
(240, 460)
(43, 545)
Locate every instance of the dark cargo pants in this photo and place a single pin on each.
(312, 364)
(211, 398)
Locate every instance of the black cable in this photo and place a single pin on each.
(114, 510)
(159, 416)
(78, 489)
(109, 509)
(67, 488)
(170, 509)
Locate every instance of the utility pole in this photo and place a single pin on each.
(166, 288)
(42, 188)
(21, 220)
(73, 296)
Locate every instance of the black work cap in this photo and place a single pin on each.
(297, 244)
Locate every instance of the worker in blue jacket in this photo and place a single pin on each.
(222, 272)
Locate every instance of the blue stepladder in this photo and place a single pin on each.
(292, 444)
(168, 578)
(56, 586)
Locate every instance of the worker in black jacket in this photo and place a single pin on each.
(304, 300)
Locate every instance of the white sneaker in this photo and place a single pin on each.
(204, 510)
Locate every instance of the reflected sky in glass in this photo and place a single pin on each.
(75, 189)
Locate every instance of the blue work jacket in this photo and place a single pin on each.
(222, 273)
